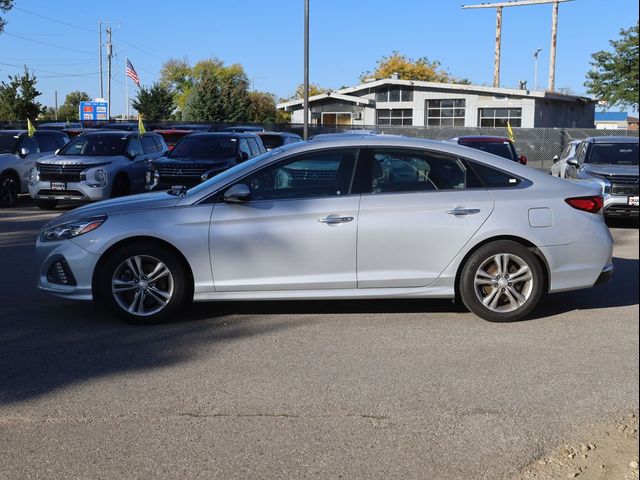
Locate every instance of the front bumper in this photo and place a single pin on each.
(605, 275)
(79, 191)
(80, 264)
(618, 206)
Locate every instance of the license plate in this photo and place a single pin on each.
(634, 201)
(58, 185)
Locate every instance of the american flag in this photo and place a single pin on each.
(132, 74)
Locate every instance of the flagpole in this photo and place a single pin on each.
(126, 88)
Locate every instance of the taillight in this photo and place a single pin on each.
(591, 204)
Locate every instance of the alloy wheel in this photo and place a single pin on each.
(503, 282)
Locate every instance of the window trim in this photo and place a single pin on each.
(453, 118)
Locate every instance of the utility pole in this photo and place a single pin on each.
(535, 68)
(305, 109)
(109, 54)
(55, 102)
(100, 57)
(552, 51)
(521, 3)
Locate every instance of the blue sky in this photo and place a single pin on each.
(347, 38)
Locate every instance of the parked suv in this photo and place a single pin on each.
(95, 166)
(612, 161)
(18, 154)
(273, 140)
(200, 156)
(501, 146)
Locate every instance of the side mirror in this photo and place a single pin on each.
(56, 152)
(24, 151)
(243, 156)
(556, 158)
(523, 160)
(131, 155)
(237, 194)
(573, 162)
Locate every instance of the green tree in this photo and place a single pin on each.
(177, 74)
(314, 89)
(614, 77)
(219, 93)
(17, 98)
(409, 69)
(48, 114)
(70, 109)
(262, 107)
(5, 6)
(155, 102)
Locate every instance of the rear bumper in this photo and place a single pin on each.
(605, 275)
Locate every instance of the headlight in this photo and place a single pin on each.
(64, 231)
(151, 179)
(34, 175)
(95, 177)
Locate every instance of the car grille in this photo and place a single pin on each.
(622, 211)
(63, 173)
(617, 189)
(45, 192)
(179, 170)
(186, 180)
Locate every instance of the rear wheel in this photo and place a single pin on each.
(46, 204)
(502, 282)
(9, 189)
(144, 284)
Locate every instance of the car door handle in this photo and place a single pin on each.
(335, 219)
(463, 211)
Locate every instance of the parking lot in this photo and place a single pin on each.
(349, 389)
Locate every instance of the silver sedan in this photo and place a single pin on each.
(354, 216)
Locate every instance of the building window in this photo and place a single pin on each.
(394, 95)
(498, 117)
(445, 112)
(336, 118)
(395, 116)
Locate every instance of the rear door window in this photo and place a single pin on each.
(494, 178)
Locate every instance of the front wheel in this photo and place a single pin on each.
(502, 282)
(9, 189)
(144, 284)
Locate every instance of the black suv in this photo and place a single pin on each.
(200, 156)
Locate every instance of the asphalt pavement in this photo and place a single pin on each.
(277, 390)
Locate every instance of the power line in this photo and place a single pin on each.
(139, 49)
(54, 20)
(61, 74)
(48, 44)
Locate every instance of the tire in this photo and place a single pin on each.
(47, 204)
(137, 302)
(497, 296)
(120, 187)
(9, 189)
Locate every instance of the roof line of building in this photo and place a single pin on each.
(343, 93)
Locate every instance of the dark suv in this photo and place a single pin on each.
(500, 146)
(199, 156)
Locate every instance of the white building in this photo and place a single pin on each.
(415, 103)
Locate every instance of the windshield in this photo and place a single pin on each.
(95, 146)
(502, 149)
(8, 142)
(613, 153)
(195, 146)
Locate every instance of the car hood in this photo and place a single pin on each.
(77, 159)
(132, 203)
(7, 156)
(189, 161)
(602, 169)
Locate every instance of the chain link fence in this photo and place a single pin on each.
(539, 145)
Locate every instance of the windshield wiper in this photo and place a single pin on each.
(177, 191)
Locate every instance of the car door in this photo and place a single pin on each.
(296, 231)
(25, 164)
(416, 213)
(144, 148)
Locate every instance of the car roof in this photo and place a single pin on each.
(13, 132)
(225, 134)
(283, 134)
(482, 138)
(122, 133)
(37, 132)
(613, 139)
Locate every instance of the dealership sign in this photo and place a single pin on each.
(94, 111)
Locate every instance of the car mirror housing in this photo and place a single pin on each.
(523, 160)
(573, 162)
(24, 151)
(237, 194)
(555, 158)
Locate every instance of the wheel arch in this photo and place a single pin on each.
(522, 241)
(143, 239)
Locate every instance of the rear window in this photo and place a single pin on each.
(501, 149)
(272, 141)
(494, 178)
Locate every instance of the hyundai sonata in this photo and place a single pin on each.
(354, 216)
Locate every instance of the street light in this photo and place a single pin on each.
(535, 68)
